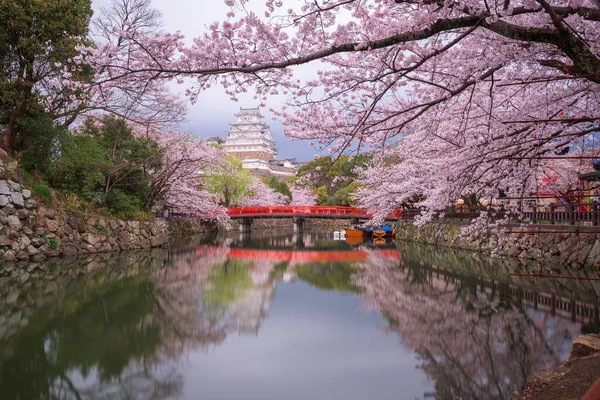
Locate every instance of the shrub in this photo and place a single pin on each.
(43, 192)
(52, 243)
(123, 205)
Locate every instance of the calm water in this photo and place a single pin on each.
(283, 317)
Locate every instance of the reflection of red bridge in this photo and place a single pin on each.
(307, 256)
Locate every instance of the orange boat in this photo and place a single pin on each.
(355, 233)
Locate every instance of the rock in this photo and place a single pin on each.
(30, 204)
(26, 193)
(50, 213)
(159, 240)
(4, 189)
(14, 222)
(22, 255)
(70, 250)
(24, 277)
(49, 252)
(17, 199)
(32, 250)
(14, 186)
(114, 225)
(24, 241)
(89, 248)
(10, 256)
(4, 200)
(585, 345)
(102, 223)
(5, 241)
(27, 231)
(22, 214)
(92, 239)
(51, 225)
(72, 221)
(38, 257)
(9, 209)
(37, 242)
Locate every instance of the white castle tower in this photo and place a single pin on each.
(249, 139)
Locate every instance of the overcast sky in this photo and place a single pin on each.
(213, 112)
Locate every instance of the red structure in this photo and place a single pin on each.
(304, 211)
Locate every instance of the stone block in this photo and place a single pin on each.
(159, 240)
(17, 199)
(22, 214)
(26, 193)
(14, 186)
(4, 200)
(4, 189)
(14, 222)
(9, 255)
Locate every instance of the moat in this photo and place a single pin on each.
(284, 317)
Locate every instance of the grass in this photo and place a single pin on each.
(52, 243)
(43, 192)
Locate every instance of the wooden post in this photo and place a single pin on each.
(552, 213)
(595, 213)
(534, 215)
(572, 213)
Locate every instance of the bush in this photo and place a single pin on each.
(52, 243)
(43, 192)
(123, 205)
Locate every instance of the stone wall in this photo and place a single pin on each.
(554, 249)
(288, 224)
(31, 231)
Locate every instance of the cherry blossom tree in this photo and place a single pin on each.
(302, 196)
(473, 91)
(179, 182)
(260, 194)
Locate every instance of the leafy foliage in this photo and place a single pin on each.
(106, 164)
(43, 192)
(229, 181)
(333, 179)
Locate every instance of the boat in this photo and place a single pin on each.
(384, 231)
(356, 233)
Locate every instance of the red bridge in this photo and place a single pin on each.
(246, 215)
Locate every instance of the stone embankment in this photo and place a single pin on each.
(288, 223)
(30, 231)
(574, 380)
(574, 249)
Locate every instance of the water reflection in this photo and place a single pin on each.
(260, 316)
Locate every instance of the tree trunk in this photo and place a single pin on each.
(10, 135)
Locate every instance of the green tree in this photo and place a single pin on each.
(333, 179)
(279, 186)
(229, 181)
(37, 38)
(106, 164)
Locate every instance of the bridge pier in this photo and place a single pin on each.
(245, 225)
(298, 224)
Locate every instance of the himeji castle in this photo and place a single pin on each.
(249, 139)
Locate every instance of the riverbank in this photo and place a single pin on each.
(558, 249)
(572, 380)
